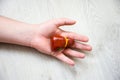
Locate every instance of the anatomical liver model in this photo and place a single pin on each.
(60, 42)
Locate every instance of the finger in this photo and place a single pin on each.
(73, 53)
(63, 21)
(82, 46)
(75, 36)
(65, 59)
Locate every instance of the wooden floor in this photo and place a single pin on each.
(98, 19)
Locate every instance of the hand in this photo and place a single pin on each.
(38, 37)
(41, 40)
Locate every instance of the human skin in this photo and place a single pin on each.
(38, 36)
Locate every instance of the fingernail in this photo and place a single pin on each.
(89, 48)
(72, 63)
(82, 55)
(86, 39)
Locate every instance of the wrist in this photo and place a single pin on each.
(20, 34)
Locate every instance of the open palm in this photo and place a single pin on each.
(44, 31)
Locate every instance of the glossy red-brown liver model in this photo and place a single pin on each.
(59, 42)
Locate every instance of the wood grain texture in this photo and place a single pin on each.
(98, 19)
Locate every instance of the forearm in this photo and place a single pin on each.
(12, 31)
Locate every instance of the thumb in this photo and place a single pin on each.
(63, 21)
